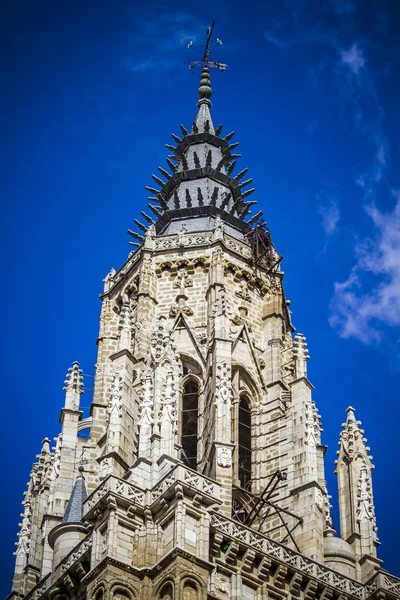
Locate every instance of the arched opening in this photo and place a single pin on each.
(167, 592)
(244, 442)
(189, 423)
(190, 591)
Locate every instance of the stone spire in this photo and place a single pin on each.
(67, 535)
(200, 181)
(74, 511)
(73, 387)
(356, 505)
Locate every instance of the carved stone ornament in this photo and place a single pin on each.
(161, 340)
(55, 467)
(115, 405)
(24, 535)
(105, 469)
(146, 409)
(319, 499)
(243, 291)
(223, 386)
(223, 585)
(224, 457)
(365, 508)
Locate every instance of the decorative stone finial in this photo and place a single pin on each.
(300, 352)
(205, 91)
(73, 386)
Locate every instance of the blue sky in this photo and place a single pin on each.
(91, 92)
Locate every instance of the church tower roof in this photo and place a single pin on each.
(201, 182)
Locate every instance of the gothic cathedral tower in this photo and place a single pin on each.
(202, 475)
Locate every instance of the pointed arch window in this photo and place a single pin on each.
(189, 423)
(244, 442)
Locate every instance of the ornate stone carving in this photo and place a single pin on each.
(109, 280)
(146, 409)
(24, 535)
(183, 281)
(168, 399)
(115, 404)
(55, 467)
(224, 457)
(41, 469)
(223, 386)
(365, 508)
(243, 291)
(160, 340)
(223, 585)
(105, 469)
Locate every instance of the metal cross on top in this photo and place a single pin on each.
(206, 62)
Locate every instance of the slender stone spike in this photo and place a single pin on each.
(241, 174)
(195, 128)
(185, 163)
(155, 210)
(176, 200)
(158, 180)
(246, 209)
(188, 199)
(148, 219)
(169, 147)
(248, 192)
(214, 197)
(196, 160)
(152, 190)
(135, 244)
(207, 126)
(225, 201)
(233, 146)
(231, 167)
(163, 203)
(255, 218)
(172, 157)
(200, 199)
(171, 165)
(164, 172)
(218, 130)
(140, 225)
(184, 130)
(229, 136)
(244, 212)
(235, 206)
(153, 198)
(176, 138)
(135, 235)
(236, 156)
(246, 182)
(209, 159)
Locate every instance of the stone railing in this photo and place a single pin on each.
(188, 478)
(142, 498)
(383, 581)
(284, 555)
(72, 558)
(46, 583)
(40, 589)
(117, 486)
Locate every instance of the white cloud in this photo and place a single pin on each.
(330, 214)
(370, 297)
(353, 58)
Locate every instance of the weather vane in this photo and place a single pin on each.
(206, 62)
